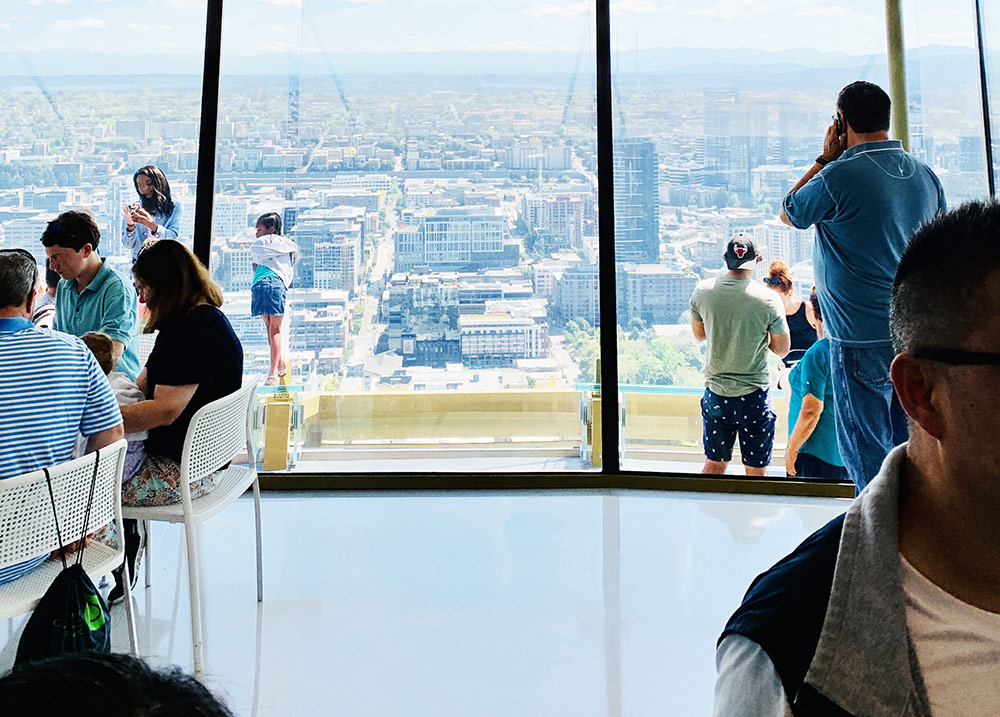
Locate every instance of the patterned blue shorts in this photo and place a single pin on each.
(751, 416)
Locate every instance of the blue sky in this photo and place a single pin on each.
(252, 26)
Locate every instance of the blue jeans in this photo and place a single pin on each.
(870, 421)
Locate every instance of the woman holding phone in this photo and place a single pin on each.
(155, 216)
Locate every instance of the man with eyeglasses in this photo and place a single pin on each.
(866, 196)
(51, 388)
(91, 297)
(894, 607)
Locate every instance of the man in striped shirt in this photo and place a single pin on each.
(51, 387)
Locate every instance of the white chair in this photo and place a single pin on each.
(218, 431)
(28, 529)
(146, 343)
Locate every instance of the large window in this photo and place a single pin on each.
(438, 178)
(436, 166)
(718, 111)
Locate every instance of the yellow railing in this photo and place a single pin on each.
(295, 418)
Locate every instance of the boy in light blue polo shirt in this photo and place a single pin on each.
(91, 297)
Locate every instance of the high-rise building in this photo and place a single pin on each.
(637, 217)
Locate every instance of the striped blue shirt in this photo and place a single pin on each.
(51, 388)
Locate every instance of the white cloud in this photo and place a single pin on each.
(139, 27)
(281, 3)
(951, 38)
(639, 7)
(367, 2)
(508, 46)
(565, 10)
(85, 23)
(279, 47)
(731, 9)
(279, 28)
(822, 11)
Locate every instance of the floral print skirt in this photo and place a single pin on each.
(157, 482)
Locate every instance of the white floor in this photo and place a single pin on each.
(576, 604)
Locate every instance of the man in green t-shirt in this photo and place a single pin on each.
(741, 320)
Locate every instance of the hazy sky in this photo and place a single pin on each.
(157, 26)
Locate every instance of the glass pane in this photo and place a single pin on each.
(975, 152)
(708, 140)
(945, 96)
(90, 92)
(438, 181)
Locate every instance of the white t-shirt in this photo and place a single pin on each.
(957, 646)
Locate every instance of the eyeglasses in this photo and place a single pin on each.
(958, 357)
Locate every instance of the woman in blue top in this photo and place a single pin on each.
(157, 216)
(812, 445)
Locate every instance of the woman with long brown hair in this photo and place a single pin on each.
(196, 359)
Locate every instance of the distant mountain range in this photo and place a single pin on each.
(702, 67)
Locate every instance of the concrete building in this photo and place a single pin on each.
(460, 239)
(577, 294)
(654, 293)
(500, 339)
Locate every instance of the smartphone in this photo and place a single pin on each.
(838, 124)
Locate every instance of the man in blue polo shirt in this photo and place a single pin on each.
(91, 297)
(866, 196)
(51, 388)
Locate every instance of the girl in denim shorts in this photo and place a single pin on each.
(273, 259)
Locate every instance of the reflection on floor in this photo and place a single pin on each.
(570, 603)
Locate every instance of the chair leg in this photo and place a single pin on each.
(133, 637)
(149, 552)
(190, 532)
(260, 557)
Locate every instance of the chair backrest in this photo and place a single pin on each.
(217, 432)
(27, 528)
(146, 343)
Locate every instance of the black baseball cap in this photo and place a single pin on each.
(741, 252)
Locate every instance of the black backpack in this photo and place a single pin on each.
(71, 616)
